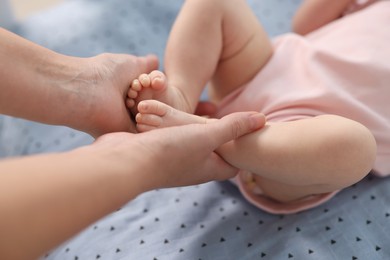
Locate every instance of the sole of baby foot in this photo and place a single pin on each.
(153, 114)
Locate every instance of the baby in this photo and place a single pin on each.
(324, 93)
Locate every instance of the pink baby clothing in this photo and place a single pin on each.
(342, 68)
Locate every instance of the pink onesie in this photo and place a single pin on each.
(342, 68)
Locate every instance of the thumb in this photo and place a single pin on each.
(235, 125)
(146, 64)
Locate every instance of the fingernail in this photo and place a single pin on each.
(257, 120)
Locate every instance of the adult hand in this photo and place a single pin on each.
(102, 88)
(179, 156)
(87, 94)
(76, 188)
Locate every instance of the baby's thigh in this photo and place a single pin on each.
(246, 49)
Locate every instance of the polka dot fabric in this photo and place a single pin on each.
(212, 221)
(209, 221)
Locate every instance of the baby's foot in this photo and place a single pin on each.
(149, 84)
(155, 86)
(154, 114)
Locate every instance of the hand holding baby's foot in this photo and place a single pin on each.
(155, 86)
(154, 114)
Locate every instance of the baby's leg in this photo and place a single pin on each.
(153, 114)
(286, 164)
(215, 40)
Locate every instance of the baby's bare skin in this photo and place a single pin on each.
(228, 48)
(153, 114)
(155, 86)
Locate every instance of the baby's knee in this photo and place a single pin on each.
(358, 151)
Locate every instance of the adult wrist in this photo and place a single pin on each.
(120, 161)
(66, 83)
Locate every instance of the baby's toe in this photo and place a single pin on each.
(144, 80)
(148, 119)
(136, 85)
(153, 107)
(130, 103)
(145, 128)
(158, 80)
(132, 93)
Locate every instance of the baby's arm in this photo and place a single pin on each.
(313, 14)
(304, 157)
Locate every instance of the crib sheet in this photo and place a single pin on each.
(209, 221)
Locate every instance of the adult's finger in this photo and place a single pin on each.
(145, 64)
(235, 125)
(217, 169)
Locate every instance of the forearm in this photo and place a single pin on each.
(33, 81)
(313, 14)
(46, 199)
(312, 151)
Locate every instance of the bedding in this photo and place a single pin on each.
(209, 221)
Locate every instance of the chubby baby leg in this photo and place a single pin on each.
(153, 114)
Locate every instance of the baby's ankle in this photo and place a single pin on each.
(183, 102)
